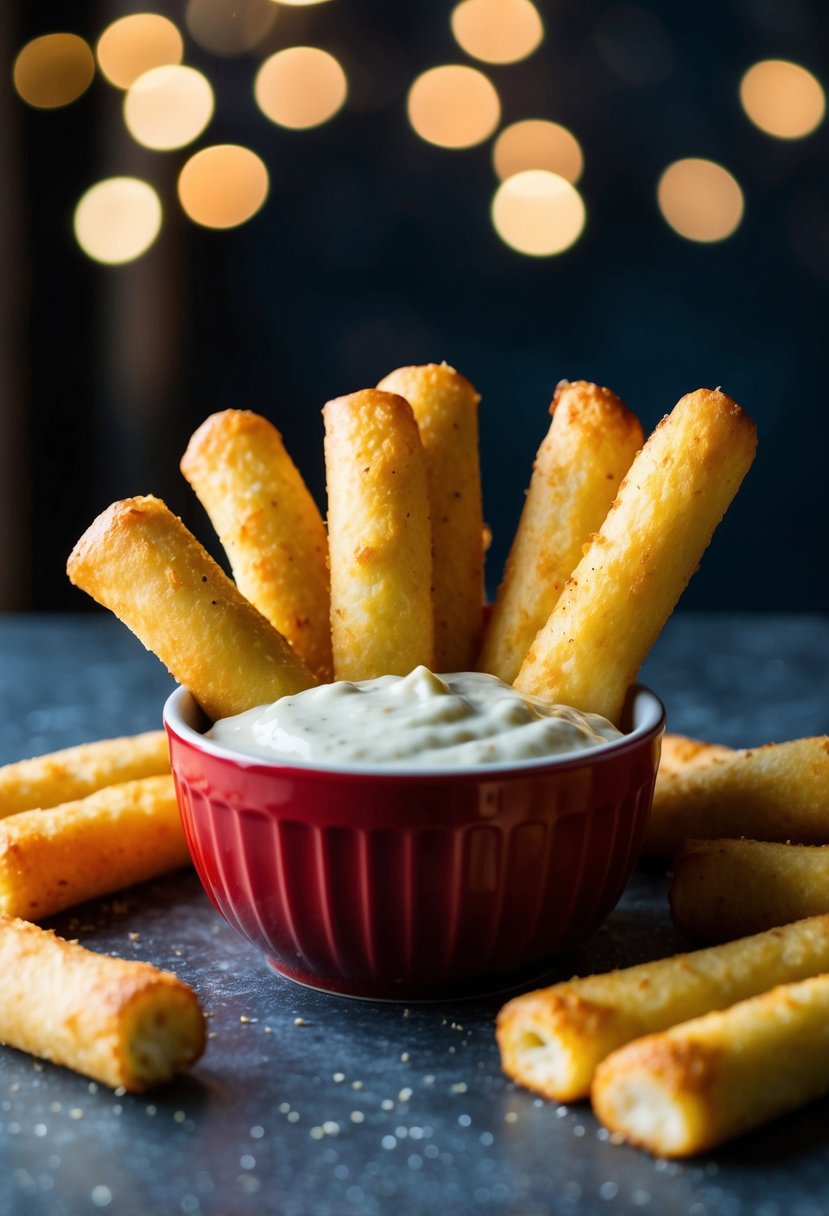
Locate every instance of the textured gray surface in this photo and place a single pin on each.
(363, 1108)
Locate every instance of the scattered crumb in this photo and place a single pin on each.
(134, 937)
(299, 1021)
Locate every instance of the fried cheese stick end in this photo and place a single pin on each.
(379, 537)
(588, 448)
(74, 772)
(553, 1040)
(703, 1082)
(445, 407)
(269, 525)
(120, 1022)
(629, 580)
(140, 561)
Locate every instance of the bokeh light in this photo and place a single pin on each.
(117, 220)
(700, 200)
(782, 98)
(535, 143)
(453, 106)
(225, 28)
(132, 45)
(53, 70)
(538, 213)
(222, 186)
(497, 31)
(300, 87)
(168, 107)
(298, 3)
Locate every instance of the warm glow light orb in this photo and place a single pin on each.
(226, 28)
(168, 107)
(53, 70)
(497, 31)
(117, 220)
(453, 106)
(536, 143)
(300, 87)
(700, 200)
(132, 45)
(782, 98)
(538, 213)
(222, 186)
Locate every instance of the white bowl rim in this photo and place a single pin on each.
(647, 711)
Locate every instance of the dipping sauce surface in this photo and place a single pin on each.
(421, 720)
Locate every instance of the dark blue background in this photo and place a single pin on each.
(375, 249)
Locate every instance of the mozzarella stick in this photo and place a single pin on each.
(269, 526)
(139, 560)
(45, 781)
(637, 566)
(727, 888)
(776, 792)
(701, 1083)
(589, 447)
(118, 836)
(679, 754)
(121, 1022)
(445, 406)
(552, 1040)
(379, 537)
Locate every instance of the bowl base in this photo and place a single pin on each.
(401, 993)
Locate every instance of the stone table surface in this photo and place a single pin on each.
(307, 1104)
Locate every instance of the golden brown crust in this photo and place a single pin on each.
(679, 753)
(777, 792)
(553, 1040)
(588, 448)
(722, 889)
(269, 525)
(445, 407)
(74, 772)
(124, 834)
(379, 537)
(139, 560)
(630, 578)
(121, 1022)
(715, 1077)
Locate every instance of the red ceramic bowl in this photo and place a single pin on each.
(414, 885)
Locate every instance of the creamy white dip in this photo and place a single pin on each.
(416, 721)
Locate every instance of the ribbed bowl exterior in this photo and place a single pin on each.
(409, 887)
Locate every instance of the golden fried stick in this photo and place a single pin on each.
(680, 754)
(379, 537)
(118, 836)
(776, 792)
(703, 1082)
(445, 406)
(123, 1023)
(139, 560)
(553, 1040)
(45, 781)
(638, 564)
(269, 525)
(589, 447)
(727, 888)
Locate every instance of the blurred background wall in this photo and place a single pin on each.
(674, 233)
